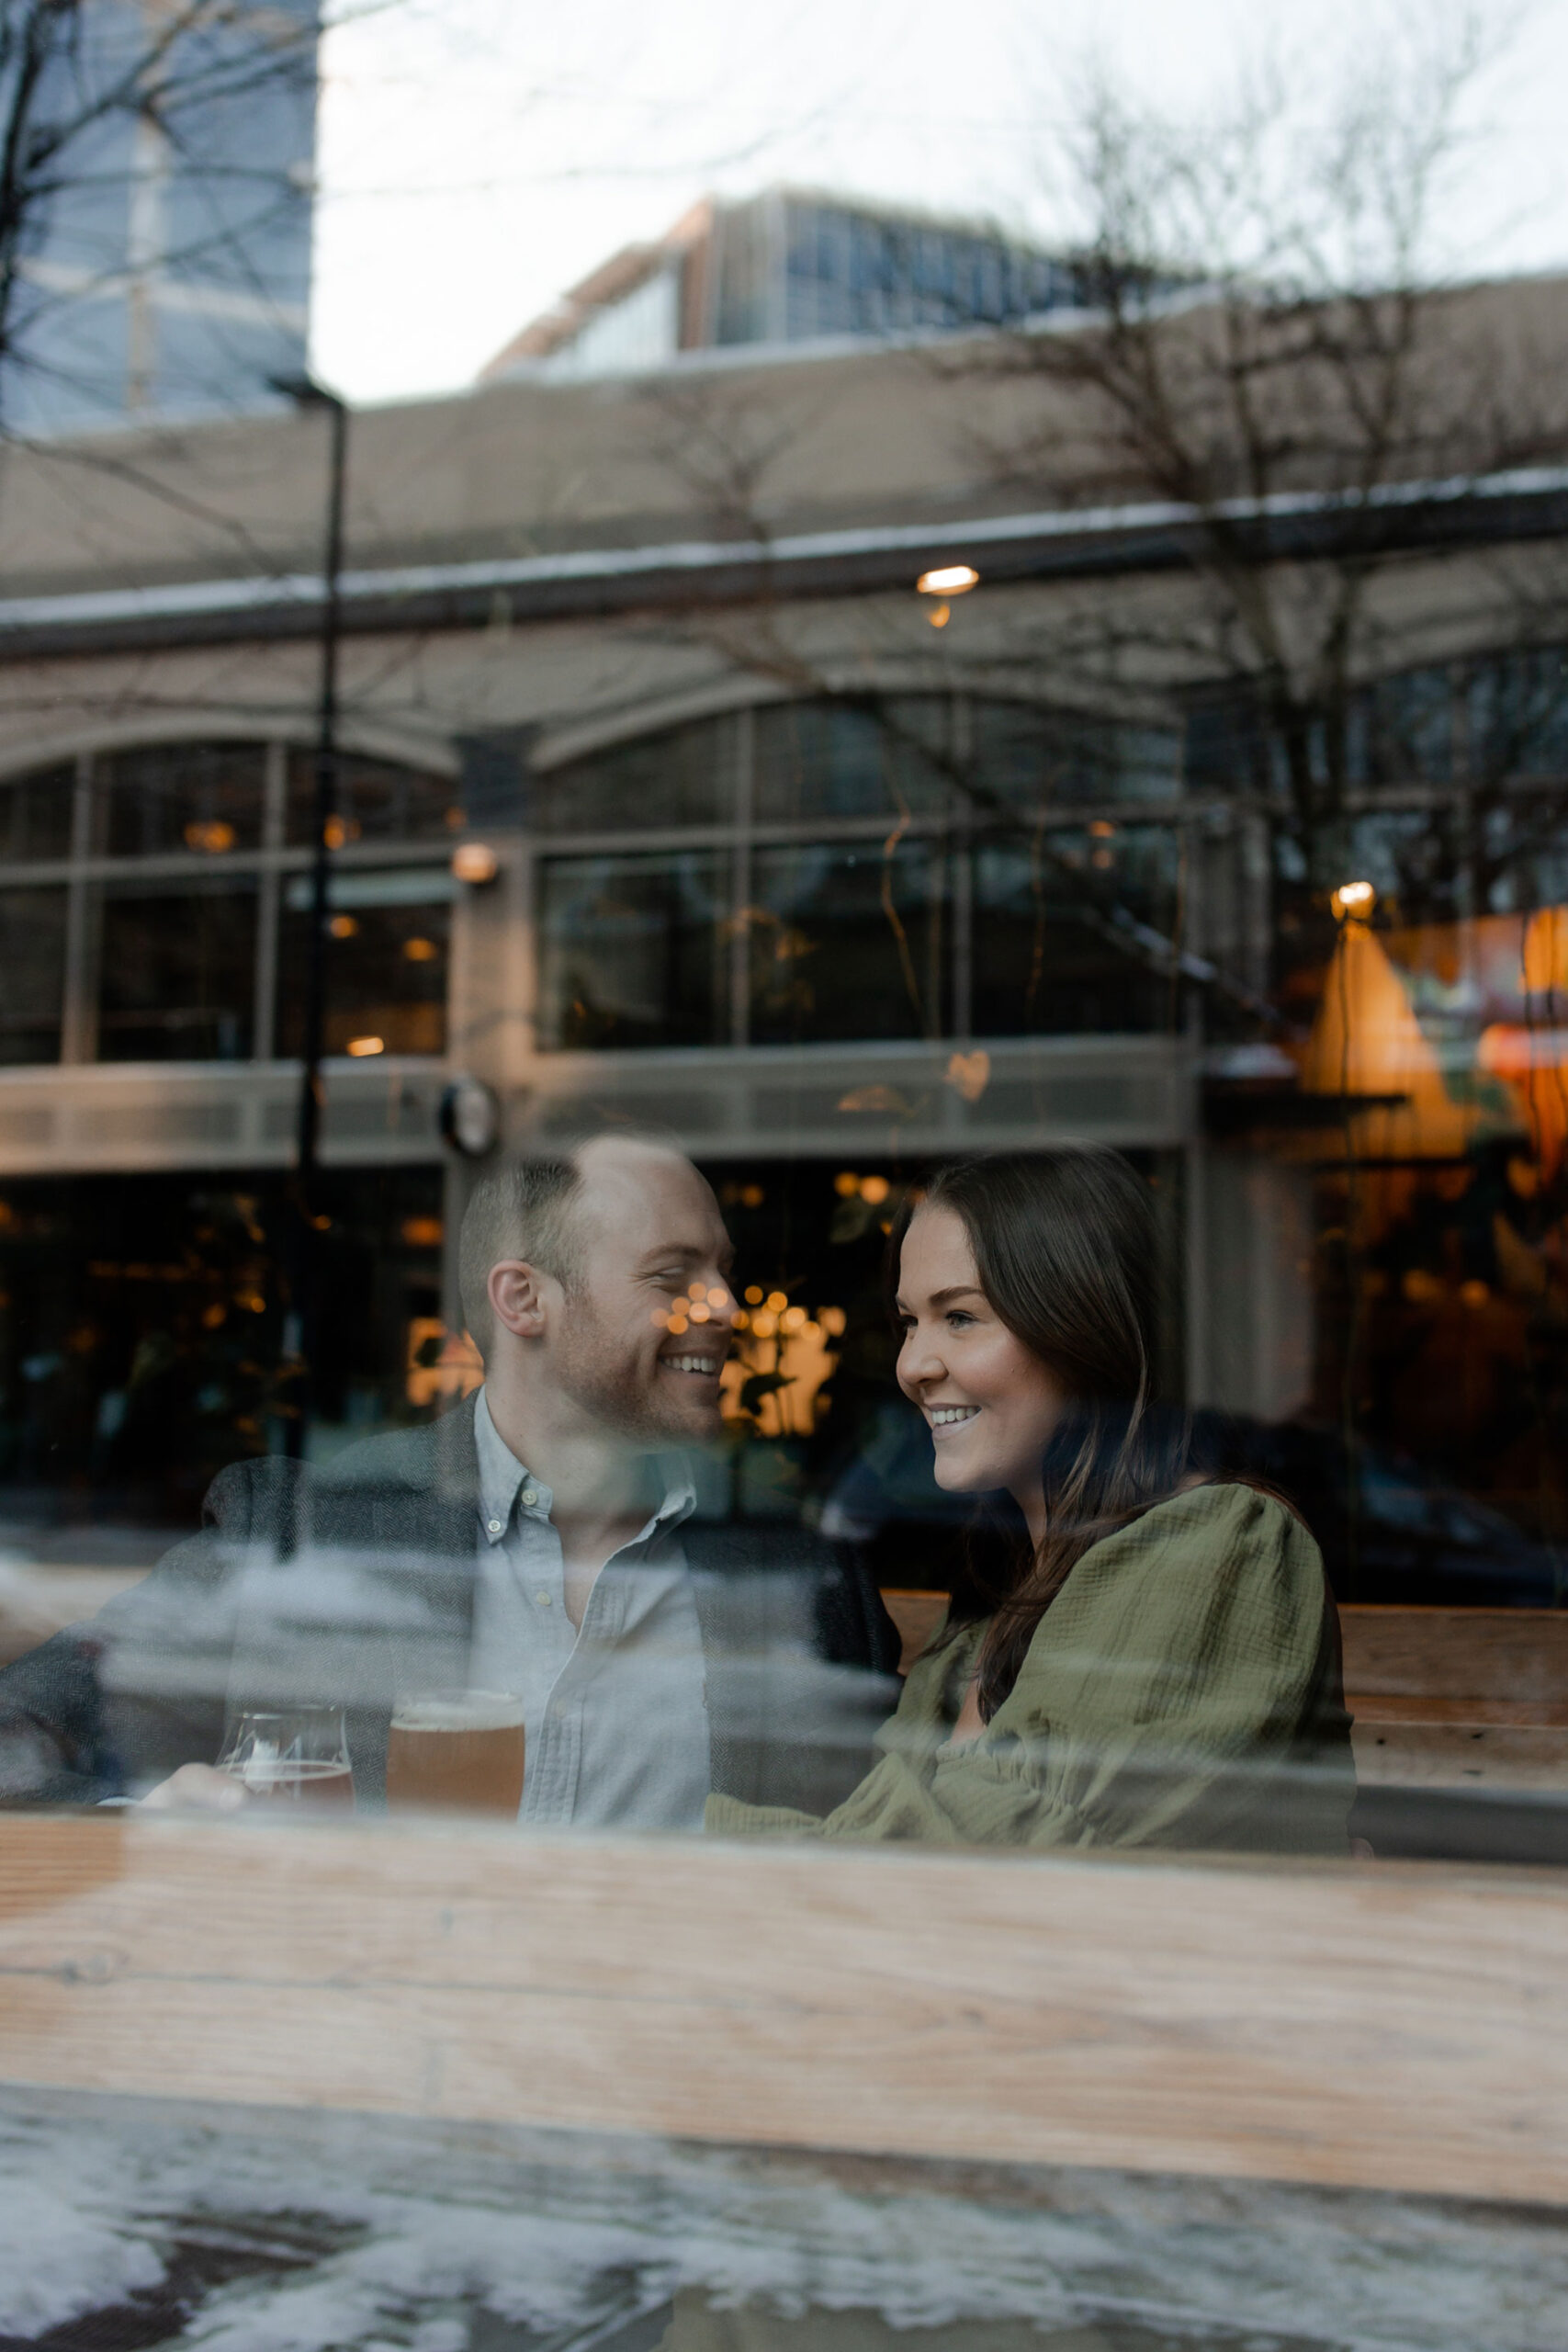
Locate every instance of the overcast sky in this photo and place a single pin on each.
(476, 156)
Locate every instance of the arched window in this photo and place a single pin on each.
(155, 904)
(862, 867)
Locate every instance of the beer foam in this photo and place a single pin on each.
(476, 1711)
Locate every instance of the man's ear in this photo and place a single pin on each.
(516, 1298)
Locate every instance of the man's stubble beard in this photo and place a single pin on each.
(606, 1379)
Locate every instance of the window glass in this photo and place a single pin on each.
(35, 816)
(202, 797)
(837, 759)
(1068, 931)
(141, 1328)
(845, 941)
(177, 973)
(1405, 732)
(1028, 757)
(1519, 714)
(634, 951)
(376, 800)
(388, 944)
(683, 775)
(32, 970)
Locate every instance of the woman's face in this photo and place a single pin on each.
(991, 1405)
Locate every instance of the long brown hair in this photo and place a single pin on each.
(1067, 1247)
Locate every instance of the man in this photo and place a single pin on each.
(538, 1539)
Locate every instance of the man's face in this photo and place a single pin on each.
(639, 1343)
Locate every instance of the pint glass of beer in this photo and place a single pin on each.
(455, 1751)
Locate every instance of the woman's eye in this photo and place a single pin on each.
(958, 1318)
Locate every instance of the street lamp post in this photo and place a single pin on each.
(301, 1330)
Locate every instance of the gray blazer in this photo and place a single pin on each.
(344, 1584)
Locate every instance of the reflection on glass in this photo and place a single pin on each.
(177, 973)
(1052, 950)
(389, 937)
(833, 759)
(35, 816)
(374, 800)
(845, 943)
(1031, 758)
(32, 967)
(634, 951)
(202, 797)
(683, 775)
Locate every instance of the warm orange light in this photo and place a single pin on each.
(423, 1232)
(1102, 828)
(777, 1302)
(342, 926)
(339, 830)
(700, 1310)
(213, 837)
(362, 1046)
(793, 1319)
(719, 1298)
(846, 1183)
(475, 862)
(948, 579)
(765, 1324)
(420, 951)
(1354, 901)
(874, 1189)
(753, 1295)
(741, 1320)
(677, 1325)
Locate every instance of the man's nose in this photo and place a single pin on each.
(713, 1302)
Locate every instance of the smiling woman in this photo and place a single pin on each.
(1157, 1661)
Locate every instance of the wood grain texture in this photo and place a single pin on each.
(1398, 2026)
(1520, 1655)
(917, 1616)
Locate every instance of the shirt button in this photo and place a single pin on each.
(542, 1599)
(492, 1526)
(529, 1498)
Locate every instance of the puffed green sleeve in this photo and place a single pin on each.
(1182, 1691)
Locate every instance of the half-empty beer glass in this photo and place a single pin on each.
(296, 1756)
(456, 1751)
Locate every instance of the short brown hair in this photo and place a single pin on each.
(521, 1209)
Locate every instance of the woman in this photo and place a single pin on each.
(1158, 1662)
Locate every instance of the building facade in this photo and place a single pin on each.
(165, 266)
(789, 268)
(780, 867)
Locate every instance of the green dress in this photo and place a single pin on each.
(1183, 1690)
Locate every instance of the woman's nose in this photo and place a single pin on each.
(919, 1362)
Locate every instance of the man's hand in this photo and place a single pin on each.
(196, 1788)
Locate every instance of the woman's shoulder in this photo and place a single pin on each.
(1229, 1506)
(1220, 1532)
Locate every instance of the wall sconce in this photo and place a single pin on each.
(470, 1117)
(1353, 902)
(475, 863)
(948, 579)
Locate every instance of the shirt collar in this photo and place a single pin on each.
(506, 1486)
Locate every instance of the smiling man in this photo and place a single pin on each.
(541, 1538)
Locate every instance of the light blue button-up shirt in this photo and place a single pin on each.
(615, 1711)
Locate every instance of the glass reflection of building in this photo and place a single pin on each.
(867, 894)
(166, 268)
